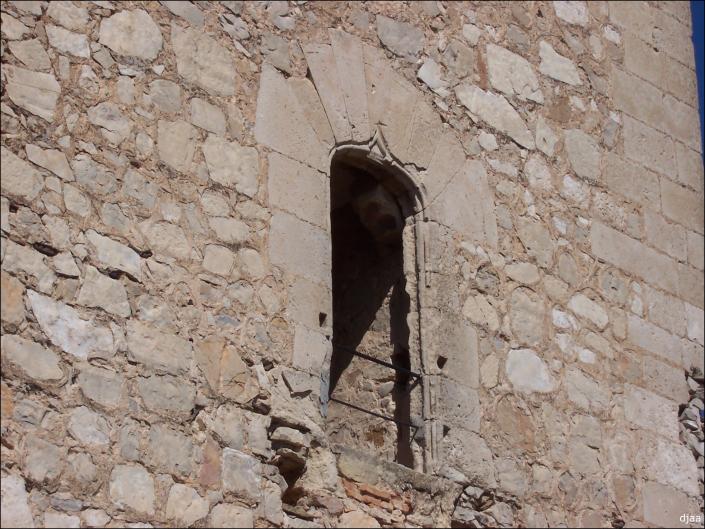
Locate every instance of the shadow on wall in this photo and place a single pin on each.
(370, 308)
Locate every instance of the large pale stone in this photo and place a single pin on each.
(207, 116)
(682, 205)
(357, 519)
(537, 173)
(65, 328)
(298, 189)
(631, 255)
(585, 392)
(281, 124)
(132, 487)
(648, 146)
(88, 427)
(347, 51)
(167, 238)
(165, 95)
(12, 28)
(167, 395)
(232, 165)
(35, 92)
(131, 33)
(91, 175)
(310, 349)
(664, 506)
(546, 139)
(431, 75)
(496, 111)
(225, 515)
(527, 372)
(309, 103)
(169, 450)
(584, 307)
(572, 12)
(31, 361)
(478, 310)
(19, 179)
(68, 41)
(44, 461)
(651, 412)
(31, 53)
(15, 511)
(393, 101)
(12, 309)
(218, 260)
(527, 313)
(583, 153)
(321, 61)
(157, 350)
(176, 144)
(511, 74)
(526, 273)
(185, 506)
(61, 520)
(102, 386)
(695, 319)
(655, 339)
(51, 159)
(114, 255)
(202, 61)
(466, 205)
(537, 240)
(300, 248)
(556, 66)
(400, 38)
(68, 15)
(242, 475)
(99, 290)
(24, 259)
(229, 230)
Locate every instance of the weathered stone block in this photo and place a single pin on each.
(132, 33)
(654, 339)
(651, 412)
(299, 190)
(102, 386)
(682, 205)
(649, 147)
(527, 313)
(300, 248)
(88, 427)
(158, 350)
(31, 361)
(528, 373)
(132, 487)
(242, 475)
(664, 506)
(185, 506)
(15, 511)
(226, 515)
(201, 60)
(166, 395)
(631, 255)
(169, 451)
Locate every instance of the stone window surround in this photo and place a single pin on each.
(353, 99)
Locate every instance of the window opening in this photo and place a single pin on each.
(371, 380)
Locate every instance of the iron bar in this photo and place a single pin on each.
(385, 417)
(377, 361)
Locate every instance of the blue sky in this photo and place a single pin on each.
(698, 23)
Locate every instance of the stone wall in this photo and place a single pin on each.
(166, 261)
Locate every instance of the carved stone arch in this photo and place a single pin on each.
(356, 103)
